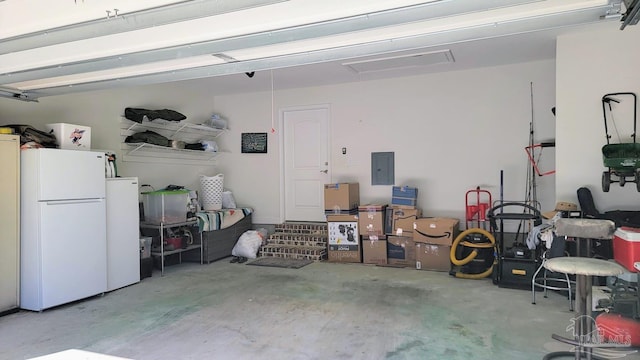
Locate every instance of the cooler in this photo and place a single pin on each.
(626, 247)
(404, 195)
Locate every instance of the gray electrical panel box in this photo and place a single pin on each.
(382, 168)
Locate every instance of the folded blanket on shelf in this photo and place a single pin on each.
(220, 219)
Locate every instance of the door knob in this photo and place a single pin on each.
(324, 171)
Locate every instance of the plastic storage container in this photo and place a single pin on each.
(70, 136)
(166, 206)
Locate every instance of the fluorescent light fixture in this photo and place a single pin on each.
(401, 61)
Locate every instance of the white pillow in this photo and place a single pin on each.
(228, 201)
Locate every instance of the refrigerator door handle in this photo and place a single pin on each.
(67, 202)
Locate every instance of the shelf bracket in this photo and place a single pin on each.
(140, 146)
(178, 130)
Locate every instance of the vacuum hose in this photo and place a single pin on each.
(473, 254)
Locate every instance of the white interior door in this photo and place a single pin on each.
(306, 162)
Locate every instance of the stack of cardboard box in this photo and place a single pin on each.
(404, 212)
(433, 238)
(341, 203)
(395, 235)
(372, 222)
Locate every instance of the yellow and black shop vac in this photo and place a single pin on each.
(473, 254)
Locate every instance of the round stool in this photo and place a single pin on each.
(583, 268)
(585, 228)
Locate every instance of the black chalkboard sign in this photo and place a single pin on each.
(254, 143)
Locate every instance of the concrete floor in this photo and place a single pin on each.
(321, 311)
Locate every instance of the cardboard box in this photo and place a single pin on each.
(438, 231)
(371, 219)
(404, 196)
(344, 256)
(626, 247)
(70, 136)
(403, 220)
(433, 257)
(388, 220)
(374, 237)
(401, 251)
(343, 238)
(341, 197)
(374, 251)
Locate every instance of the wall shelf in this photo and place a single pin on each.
(182, 131)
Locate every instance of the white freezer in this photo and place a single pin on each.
(67, 262)
(123, 234)
(65, 174)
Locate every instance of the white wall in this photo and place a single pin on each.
(450, 133)
(591, 64)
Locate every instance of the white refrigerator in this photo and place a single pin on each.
(123, 232)
(63, 227)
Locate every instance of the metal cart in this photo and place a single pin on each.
(516, 262)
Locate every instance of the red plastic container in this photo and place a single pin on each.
(176, 242)
(617, 329)
(626, 247)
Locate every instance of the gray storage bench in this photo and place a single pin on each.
(217, 244)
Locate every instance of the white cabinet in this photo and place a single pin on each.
(181, 131)
(9, 222)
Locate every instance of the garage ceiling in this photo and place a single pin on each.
(83, 45)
